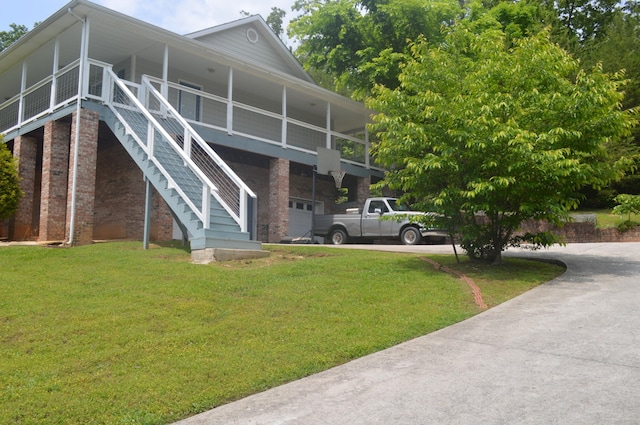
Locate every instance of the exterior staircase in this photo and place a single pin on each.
(210, 202)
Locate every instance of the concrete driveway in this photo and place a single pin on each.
(567, 352)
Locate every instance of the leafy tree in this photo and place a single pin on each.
(491, 136)
(357, 42)
(275, 20)
(618, 49)
(10, 192)
(627, 204)
(7, 38)
(585, 19)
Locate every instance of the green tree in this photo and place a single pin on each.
(10, 192)
(7, 38)
(585, 19)
(357, 42)
(627, 204)
(275, 21)
(491, 136)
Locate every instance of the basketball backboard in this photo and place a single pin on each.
(328, 160)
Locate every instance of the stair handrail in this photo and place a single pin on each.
(146, 80)
(208, 186)
(191, 134)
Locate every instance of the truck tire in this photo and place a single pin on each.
(338, 237)
(410, 235)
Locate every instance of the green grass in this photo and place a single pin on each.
(113, 334)
(605, 219)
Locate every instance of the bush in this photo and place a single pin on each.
(627, 225)
(10, 192)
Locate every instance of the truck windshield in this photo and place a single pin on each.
(395, 206)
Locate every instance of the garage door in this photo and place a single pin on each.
(300, 217)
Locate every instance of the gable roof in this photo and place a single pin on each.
(252, 39)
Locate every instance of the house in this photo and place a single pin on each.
(125, 130)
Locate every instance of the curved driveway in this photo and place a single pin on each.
(567, 352)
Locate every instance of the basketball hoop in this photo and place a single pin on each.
(337, 175)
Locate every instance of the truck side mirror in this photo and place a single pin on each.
(378, 211)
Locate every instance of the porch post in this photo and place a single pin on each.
(25, 149)
(278, 199)
(23, 86)
(54, 76)
(147, 214)
(367, 158)
(165, 72)
(284, 116)
(328, 142)
(230, 102)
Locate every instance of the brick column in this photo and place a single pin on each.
(86, 177)
(278, 199)
(55, 175)
(25, 149)
(363, 189)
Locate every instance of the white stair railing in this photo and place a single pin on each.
(158, 118)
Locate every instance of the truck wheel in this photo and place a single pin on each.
(338, 237)
(410, 236)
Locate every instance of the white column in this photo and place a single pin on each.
(284, 116)
(165, 73)
(230, 102)
(23, 86)
(328, 143)
(54, 77)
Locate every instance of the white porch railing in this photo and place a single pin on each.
(44, 97)
(217, 112)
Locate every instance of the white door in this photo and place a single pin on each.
(300, 217)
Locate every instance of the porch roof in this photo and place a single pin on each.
(114, 37)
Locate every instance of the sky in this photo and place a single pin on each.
(180, 16)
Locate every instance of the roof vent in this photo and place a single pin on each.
(252, 35)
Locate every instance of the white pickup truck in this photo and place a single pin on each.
(369, 224)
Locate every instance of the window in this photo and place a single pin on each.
(189, 104)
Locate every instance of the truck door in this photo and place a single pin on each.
(372, 225)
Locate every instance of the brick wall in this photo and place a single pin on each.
(581, 232)
(24, 226)
(120, 196)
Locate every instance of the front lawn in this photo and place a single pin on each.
(113, 334)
